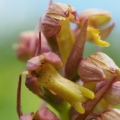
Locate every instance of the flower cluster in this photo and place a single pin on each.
(78, 88)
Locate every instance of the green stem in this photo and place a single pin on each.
(64, 113)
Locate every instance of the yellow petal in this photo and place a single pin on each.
(78, 107)
(93, 36)
(87, 93)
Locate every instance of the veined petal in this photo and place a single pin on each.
(105, 62)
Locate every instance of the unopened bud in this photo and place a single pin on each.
(27, 45)
(105, 62)
(110, 114)
(97, 67)
(24, 49)
(61, 11)
(90, 71)
(113, 95)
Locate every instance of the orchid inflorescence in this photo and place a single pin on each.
(78, 88)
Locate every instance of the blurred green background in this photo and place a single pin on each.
(21, 15)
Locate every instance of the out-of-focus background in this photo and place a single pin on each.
(21, 15)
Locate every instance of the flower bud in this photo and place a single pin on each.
(61, 11)
(105, 62)
(27, 45)
(110, 114)
(50, 26)
(24, 49)
(97, 67)
(56, 12)
(113, 95)
(90, 71)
